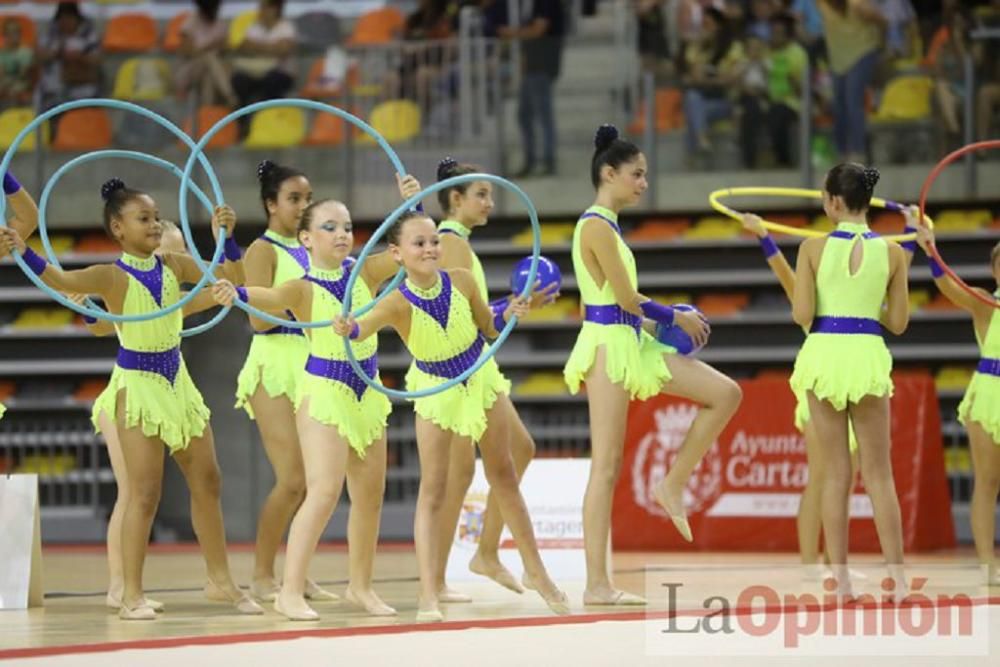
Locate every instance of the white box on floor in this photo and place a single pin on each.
(21, 546)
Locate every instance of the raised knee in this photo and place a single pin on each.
(731, 397)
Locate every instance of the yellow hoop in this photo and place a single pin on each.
(714, 198)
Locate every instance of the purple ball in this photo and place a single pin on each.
(548, 274)
(676, 337)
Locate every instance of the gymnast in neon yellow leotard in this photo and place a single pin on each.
(442, 318)
(620, 361)
(809, 521)
(341, 422)
(150, 395)
(979, 410)
(843, 368)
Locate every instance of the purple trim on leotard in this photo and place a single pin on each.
(341, 371)
(300, 254)
(438, 307)
(152, 279)
(166, 363)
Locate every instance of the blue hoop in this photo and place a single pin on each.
(43, 230)
(50, 185)
(197, 152)
(536, 249)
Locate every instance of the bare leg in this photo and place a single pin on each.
(276, 423)
(870, 417)
(831, 429)
(487, 559)
(499, 466)
(608, 405)
(324, 453)
(366, 484)
(461, 468)
(986, 467)
(201, 471)
(719, 398)
(144, 465)
(432, 446)
(809, 521)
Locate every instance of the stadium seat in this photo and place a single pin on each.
(669, 112)
(327, 130)
(12, 121)
(905, 98)
(659, 229)
(130, 33)
(396, 120)
(142, 80)
(278, 127)
(172, 33)
(209, 116)
(317, 30)
(323, 84)
(29, 36)
(239, 25)
(380, 26)
(82, 130)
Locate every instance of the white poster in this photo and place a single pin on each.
(20, 548)
(553, 491)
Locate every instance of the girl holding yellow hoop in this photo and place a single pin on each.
(979, 410)
(844, 366)
(620, 361)
(808, 522)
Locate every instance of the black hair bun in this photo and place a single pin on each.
(264, 168)
(606, 134)
(446, 167)
(871, 176)
(111, 186)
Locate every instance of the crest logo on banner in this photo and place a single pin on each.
(655, 453)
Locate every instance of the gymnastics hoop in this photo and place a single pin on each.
(198, 152)
(50, 185)
(536, 250)
(101, 314)
(925, 189)
(715, 197)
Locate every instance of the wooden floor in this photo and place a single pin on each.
(75, 578)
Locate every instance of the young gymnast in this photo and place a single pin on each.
(341, 421)
(466, 207)
(620, 361)
(841, 283)
(268, 383)
(171, 241)
(150, 396)
(809, 521)
(442, 318)
(979, 410)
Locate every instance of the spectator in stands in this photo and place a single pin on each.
(901, 30)
(709, 67)
(540, 32)
(16, 66)
(690, 15)
(853, 31)
(264, 67)
(758, 22)
(809, 26)
(203, 40)
(988, 56)
(70, 57)
(654, 50)
(947, 60)
(786, 62)
(423, 63)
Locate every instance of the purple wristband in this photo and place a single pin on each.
(355, 332)
(35, 263)
(10, 184)
(936, 270)
(909, 246)
(87, 319)
(242, 295)
(231, 250)
(769, 247)
(658, 312)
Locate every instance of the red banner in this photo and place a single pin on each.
(745, 493)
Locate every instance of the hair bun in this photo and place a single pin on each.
(605, 135)
(871, 176)
(264, 168)
(446, 167)
(111, 186)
